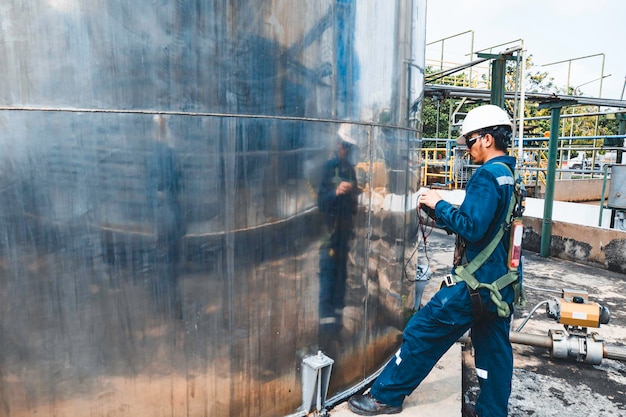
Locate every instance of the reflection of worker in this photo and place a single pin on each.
(455, 308)
(163, 190)
(337, 201)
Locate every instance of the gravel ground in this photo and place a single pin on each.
(543, 386)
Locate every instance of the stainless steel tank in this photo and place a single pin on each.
(159, 178)
(617, 187)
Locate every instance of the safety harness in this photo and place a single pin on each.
(465, 273)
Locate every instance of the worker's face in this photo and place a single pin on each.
(343, 150)
(476, 147)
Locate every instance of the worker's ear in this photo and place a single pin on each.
(488, 140)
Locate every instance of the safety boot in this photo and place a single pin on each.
(366, 405)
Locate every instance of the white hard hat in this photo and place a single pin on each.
(344, 134)
(481, 117)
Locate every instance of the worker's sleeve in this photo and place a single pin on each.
(354, 194)
(327, 191)
(472, 219)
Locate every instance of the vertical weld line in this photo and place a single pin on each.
(369, 241)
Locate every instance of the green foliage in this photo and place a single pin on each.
(437, 110)
(538, 81)
(436, 118)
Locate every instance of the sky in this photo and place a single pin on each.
(551, 31)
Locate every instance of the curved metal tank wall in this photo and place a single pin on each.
(159, 226)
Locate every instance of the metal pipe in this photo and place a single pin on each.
(614, 352)
(442, 40)
(465, 92)
(471, 55)
(444, 73)
(539, 139)
(522, 106)
(511, 49)
(572, 59)
(564, 116)
(531, 339)
(608, 351)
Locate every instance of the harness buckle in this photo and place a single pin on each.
(449, 281)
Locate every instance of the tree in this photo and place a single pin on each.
(436, 109)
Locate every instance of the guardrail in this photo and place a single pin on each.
(445, 165)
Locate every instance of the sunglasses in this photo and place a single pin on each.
(470, 142)
(346, 145)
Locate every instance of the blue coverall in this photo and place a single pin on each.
(448, 315)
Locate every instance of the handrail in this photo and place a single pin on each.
(437, 161)
(441, 167)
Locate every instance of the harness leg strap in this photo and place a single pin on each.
(477, 305)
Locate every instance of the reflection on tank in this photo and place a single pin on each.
(160, 229)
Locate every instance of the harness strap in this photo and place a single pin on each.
(466, 272)
(478, 307)
(461, 274)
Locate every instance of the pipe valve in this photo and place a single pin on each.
(574, 310)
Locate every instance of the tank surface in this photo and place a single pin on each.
(161, 233)
(617, 187)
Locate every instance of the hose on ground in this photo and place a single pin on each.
(531, 314)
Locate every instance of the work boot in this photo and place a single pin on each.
(366, 405)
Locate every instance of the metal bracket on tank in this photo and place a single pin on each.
(316, 371)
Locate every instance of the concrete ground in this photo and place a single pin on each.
(439, 395)
(542, 386)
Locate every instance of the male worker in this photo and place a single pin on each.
(453, 310)
(337, 202)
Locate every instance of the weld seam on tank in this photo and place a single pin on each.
(201, 114)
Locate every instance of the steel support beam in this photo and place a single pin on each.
(482, 94)
(548, 201)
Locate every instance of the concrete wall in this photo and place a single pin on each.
(575, 234)
(575, 190)
(591, 245)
